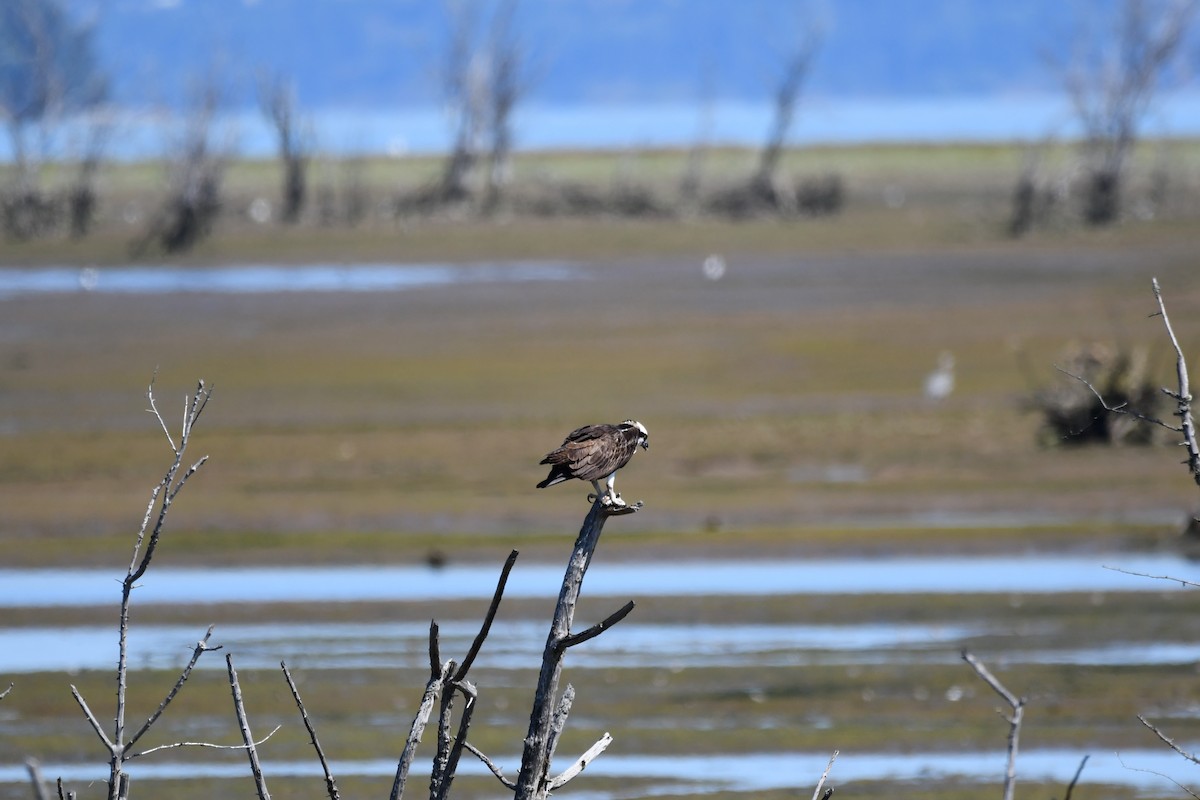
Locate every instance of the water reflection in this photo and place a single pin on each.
(1039, 573)
(261, 278)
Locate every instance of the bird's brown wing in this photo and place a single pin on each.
(588, 452)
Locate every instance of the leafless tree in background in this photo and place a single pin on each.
(47, 72)
(1112, 81)
(765, 191)
(787, 96)
(194, 181)
(506, 83)
(483, 81)
(277, 99)
(464, 86)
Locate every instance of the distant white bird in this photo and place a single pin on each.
(940, 383)
(89, 277)
(714, 267)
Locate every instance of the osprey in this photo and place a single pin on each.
(595, 453)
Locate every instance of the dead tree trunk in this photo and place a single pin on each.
(544, 723)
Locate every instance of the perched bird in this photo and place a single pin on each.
(940, 383)
(595, 453)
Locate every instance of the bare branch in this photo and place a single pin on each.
(450, 769)
(1014, 722)
(209, 745)
(824, 775)
(1123, 408)
(330, 784)
(91, 718)
(581, 763)
(432, 690)
(1159, 774)
(435, 658)
(469, 659)
(1075, 780)
(201, 648)
(153, 409)
(491, 765)
(4, 694)
(251, 748)
(559, 721)
(1180, 581)
(34, 768)
(1184, 398)
(599, 628)
(1167, 740)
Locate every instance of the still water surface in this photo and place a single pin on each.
(1050, 572)
(711, 772)
(265, 278)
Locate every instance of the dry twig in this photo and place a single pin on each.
(1075, 780)
(330, 783)
(260, 783)
(161, 497)
(1014, 722)
(817, 795)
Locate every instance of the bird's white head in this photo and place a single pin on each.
(643, 434)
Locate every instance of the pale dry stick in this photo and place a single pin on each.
(559, 721)
(1014, 722)
(330, 783)
(581, 763)
(1183, 398)
(532, 782)
(4, 694)
(817, 795)
(208, 745)
(35, 777)
(239, 708)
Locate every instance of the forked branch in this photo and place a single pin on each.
(1017, 704)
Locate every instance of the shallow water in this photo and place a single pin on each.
(516, 645)
(710, 772)
(1042, 573)
(263, 278)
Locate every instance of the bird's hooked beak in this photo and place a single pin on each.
(645, 444)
